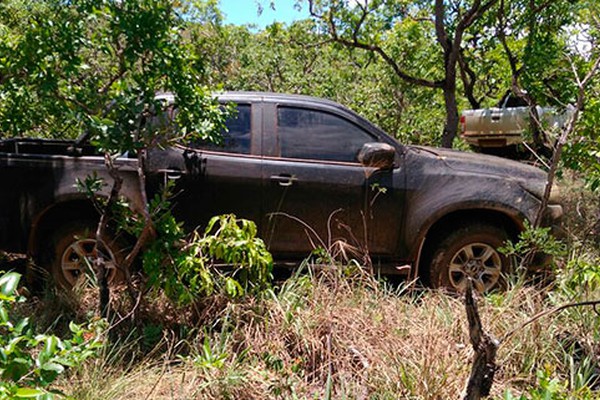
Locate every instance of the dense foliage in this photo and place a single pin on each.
(386, 60)
(96, 66)
(226, 259)
(30, 362)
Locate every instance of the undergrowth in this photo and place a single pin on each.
(322, 335)
(336, 332)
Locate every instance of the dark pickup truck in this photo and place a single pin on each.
(310, 173)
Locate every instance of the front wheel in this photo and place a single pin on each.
(470, 252)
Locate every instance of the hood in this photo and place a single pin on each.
(482, 163)
(530, 178)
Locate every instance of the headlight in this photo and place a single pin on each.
(555, 195)
(538, 188)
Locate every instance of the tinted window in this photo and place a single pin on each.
(237, 137)
(235, 140)
(311, 134)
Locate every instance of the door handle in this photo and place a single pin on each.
(284, 180)
(172, 174)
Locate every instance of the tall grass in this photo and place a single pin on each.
(333, 333)
(326, 336)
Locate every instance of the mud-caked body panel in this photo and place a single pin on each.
(440, 184)
(36, 185)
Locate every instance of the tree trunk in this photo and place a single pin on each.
(485, 347)
(451, 123)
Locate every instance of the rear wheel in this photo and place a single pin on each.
(72, 251)
(470, 252)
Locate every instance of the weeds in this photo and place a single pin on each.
(317, 336)
(30, 363)
(333, 331)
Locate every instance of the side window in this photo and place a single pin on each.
(236, 139)
(317, 135)
(238, 135)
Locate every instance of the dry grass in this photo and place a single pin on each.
(330, 337)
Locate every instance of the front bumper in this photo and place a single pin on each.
(552, 218)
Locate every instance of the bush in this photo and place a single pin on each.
(227, 259)
(30, 362)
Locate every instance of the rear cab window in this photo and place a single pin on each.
(237, 138)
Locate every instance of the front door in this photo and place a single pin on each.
(315, 190)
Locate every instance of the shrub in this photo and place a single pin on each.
(227, 259)
(30, 362)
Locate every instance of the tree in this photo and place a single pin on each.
(582, 151)
(388, 29)
(531, 35)
(94, 68)
(300, 58)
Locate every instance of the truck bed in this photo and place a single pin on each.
(45, 147)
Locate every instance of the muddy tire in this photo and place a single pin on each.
(470, 251)
(72, 248)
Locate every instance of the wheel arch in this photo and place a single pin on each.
(460, 218)
(56, 215)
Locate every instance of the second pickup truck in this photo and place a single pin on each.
(497, 130)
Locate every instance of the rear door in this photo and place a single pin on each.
(314, 187)
(212, 179)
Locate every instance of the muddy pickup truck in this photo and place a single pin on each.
(310, 173)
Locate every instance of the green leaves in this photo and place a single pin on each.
(534, 241)
(96, 67)
(30, 363)
(228, 259)
(28, 393)
(8, 286)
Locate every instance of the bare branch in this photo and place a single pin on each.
(120, 74)
(512, 60)
(356, 43)
(148, 232)
(75, 102)
(363, 17)
(470, 17)
(567, 130)
(311, 10)
(390, 61)
(474, 13)
(469, 78)
(119, 52)
(542, 314)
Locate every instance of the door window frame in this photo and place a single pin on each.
(271, 144)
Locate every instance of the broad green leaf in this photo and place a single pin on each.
(53, 367)
(8, 284)
(28, 393)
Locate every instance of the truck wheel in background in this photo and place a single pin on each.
(71, 251)
(470, 251)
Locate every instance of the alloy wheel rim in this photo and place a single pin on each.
(78, 258)
(478, 261)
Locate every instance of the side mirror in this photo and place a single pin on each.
(377, 155)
